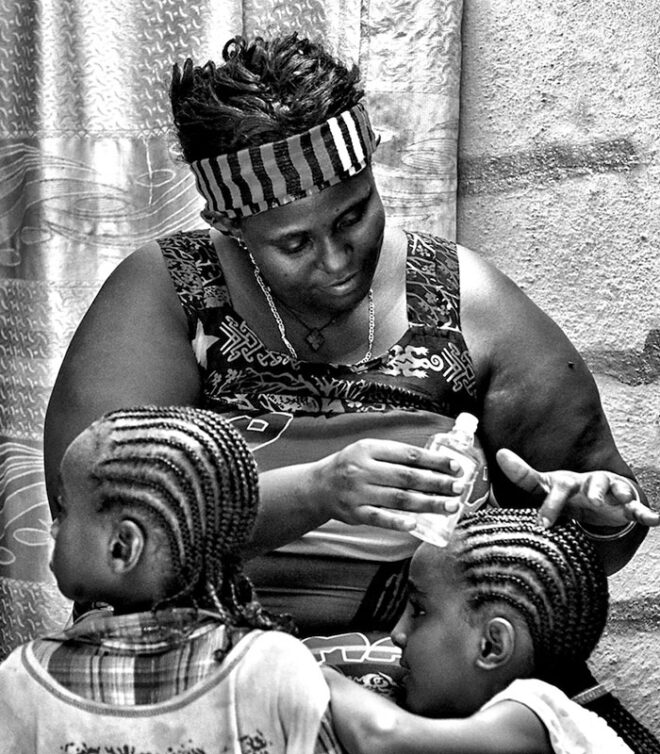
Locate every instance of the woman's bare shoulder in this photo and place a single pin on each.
(536, 391)
(131, 348)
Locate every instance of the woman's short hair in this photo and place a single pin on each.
(264, 91)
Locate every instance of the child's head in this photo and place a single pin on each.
(507, 599)
(156, 504)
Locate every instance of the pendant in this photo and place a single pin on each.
(315, 339)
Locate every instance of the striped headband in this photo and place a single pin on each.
(259, 178)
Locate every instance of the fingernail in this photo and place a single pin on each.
(457, 487)
(454, 466)
(545, 522)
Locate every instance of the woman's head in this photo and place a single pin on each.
(506, 599)
(166, 497)
(279, 120)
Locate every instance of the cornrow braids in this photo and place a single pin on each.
(264, 91)
(556, 582)
(191, 475)
(552, 577)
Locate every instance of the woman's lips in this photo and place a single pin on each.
(345, 282)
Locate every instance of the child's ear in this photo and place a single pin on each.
(498, 643)
(126, 545)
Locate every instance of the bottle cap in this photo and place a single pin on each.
(466, 423)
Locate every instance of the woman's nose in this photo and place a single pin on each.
(334, 255)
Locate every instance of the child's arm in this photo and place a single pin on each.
(367, 723)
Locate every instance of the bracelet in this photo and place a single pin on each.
(618, 534)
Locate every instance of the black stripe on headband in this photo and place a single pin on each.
(315, 168)
(287, 168)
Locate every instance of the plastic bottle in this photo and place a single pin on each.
(457, 444)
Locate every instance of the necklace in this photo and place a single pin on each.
(314, 335)
(314, 331)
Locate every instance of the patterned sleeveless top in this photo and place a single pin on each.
(429, 368)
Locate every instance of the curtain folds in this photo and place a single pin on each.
(89, 172)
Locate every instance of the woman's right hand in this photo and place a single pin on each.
(376, 482)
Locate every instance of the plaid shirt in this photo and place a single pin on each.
(145, 658)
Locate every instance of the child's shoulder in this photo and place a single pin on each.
(278, 642)
(570, 726)
(279, 653)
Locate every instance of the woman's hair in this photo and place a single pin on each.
(555, 581)
(188, 474)
(264, 91)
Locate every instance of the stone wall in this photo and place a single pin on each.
(559, 186)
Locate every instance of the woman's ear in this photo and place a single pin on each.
(228, 226)
(498, 643)
(126, 545)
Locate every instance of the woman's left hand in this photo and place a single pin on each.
(599, 498)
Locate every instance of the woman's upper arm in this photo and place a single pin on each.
(131, 348)
(537, 395)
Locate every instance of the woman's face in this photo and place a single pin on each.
(438, 642)
(319, 254)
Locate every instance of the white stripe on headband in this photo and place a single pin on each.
(259, 178)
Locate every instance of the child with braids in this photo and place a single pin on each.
(494, 644)
(155, 506)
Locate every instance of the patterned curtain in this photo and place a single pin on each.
(89, 172)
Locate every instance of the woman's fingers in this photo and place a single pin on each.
(623, 494)
(639, 512)
(406, 467)
(599, 497)
(521, 473)
(597, 486)
(385, 519)
(562, 486)
(388, 474)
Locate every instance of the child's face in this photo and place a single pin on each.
(438, 643)
(80, 532)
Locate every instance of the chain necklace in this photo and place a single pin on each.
(314, 332)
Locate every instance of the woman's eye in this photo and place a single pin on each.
(294, 247)
(351, 219)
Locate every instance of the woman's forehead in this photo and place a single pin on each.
(313, 210)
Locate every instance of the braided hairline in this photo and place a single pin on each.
(201, 483)
(506, 556)
(544, 584)
(124, 483)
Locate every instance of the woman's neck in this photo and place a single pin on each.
(345, 338)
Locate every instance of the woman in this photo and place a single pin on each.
(337, 344)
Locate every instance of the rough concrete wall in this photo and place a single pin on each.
(558, 185)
